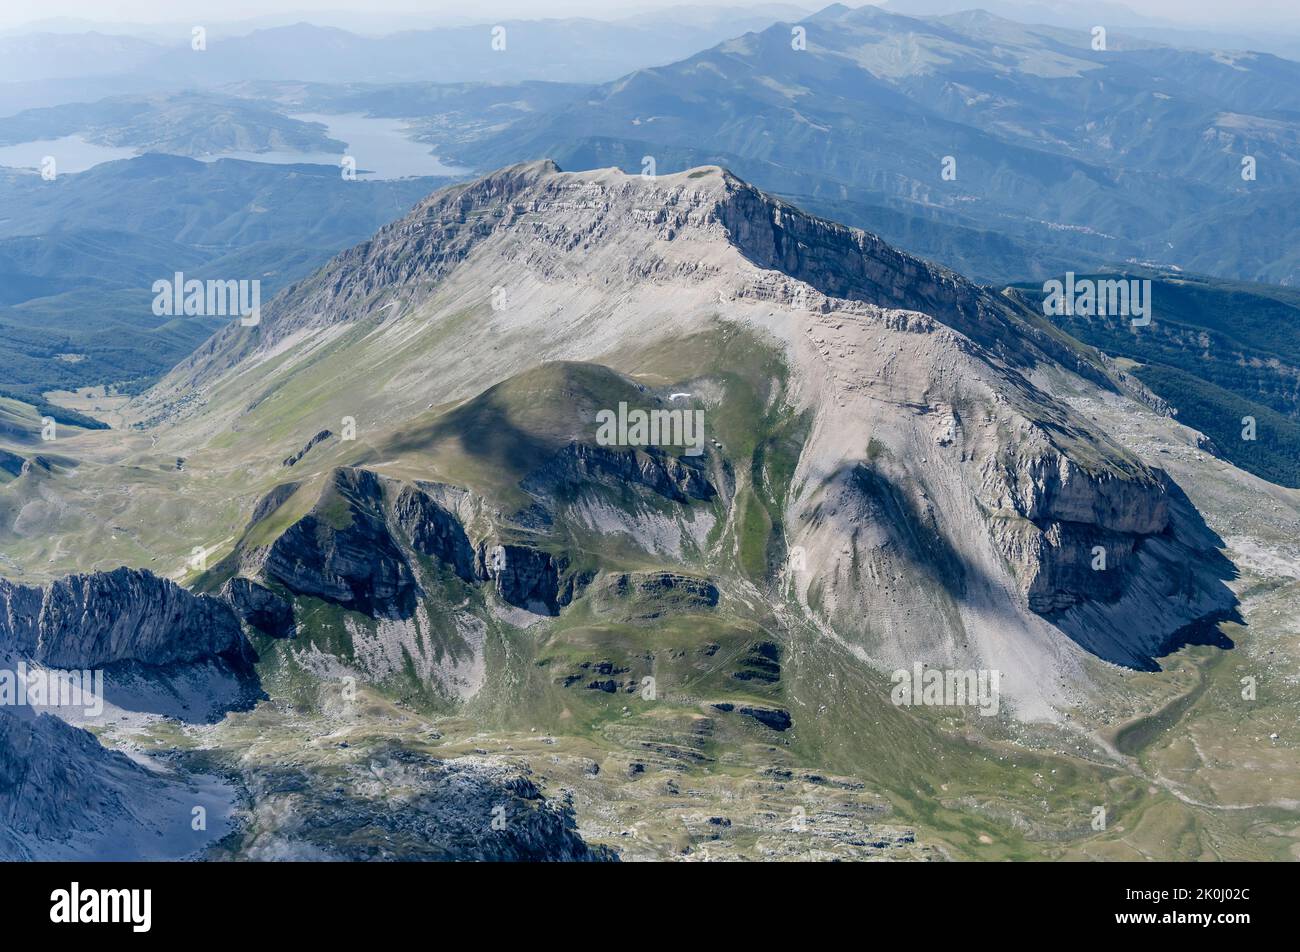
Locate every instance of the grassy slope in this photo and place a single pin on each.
(987, 790)
(962, 785)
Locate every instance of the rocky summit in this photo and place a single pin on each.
(946, 496)
(617, 501)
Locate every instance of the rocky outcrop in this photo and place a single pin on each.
(1053, 488)
(681, 479)
(1072, 534)
(433, 531)
(272, 501)
(343, 552)
(523, 576)
(320, 437)
(11, 463)
(63, 796)
(760, 664)
(259, 607)
(1066, 563)
(36, 464)
(51, 781)
(360, 544)
(649, 595)
(773, 717)
(399, 804)
(90, 621)
(855, 265)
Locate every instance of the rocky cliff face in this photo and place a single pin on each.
(524, 577)
(435, 532)
(402, 805)
(342, 551)
(977, 514)
(946, 501)
(363, 540)
(259, 607)
(11, 464)
(677, 478)
(65, 797)
(1054, 488)
(89, 621)
(360, 544)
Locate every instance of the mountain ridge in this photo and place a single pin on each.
(898, 468)
(588, 263)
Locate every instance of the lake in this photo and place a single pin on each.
(380, 146)
(71, 154)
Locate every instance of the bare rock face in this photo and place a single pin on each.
(433, 531)
(1071, 534)
(41, 761)
(89, 621)
(677, 478)
(343, 552)
(59, 786)
(11, 463)
(463, 809)
(1054, 488)
(272, 501)
(854, 265)
(307, 447)
(358, 545)
(63, 796)
(524, 576)
(260, 607)
(651, 594)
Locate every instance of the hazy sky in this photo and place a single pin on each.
(1240, 13)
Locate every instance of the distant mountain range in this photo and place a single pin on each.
(1005, 151)
(1085, 14)
(568, 50)
(185, 123)
(1072, 156)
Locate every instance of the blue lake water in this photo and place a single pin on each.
(380, 147)
(71, 154)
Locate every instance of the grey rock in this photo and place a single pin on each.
(319, 438)
(466, 809)
(11, 463)
(649, 595)
(343, 551)
(272, 501)
(260, 607)
(433, 531)
(680, 479)
(773, 717)
(525, 577)
(89, 621)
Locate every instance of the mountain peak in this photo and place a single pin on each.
(703, 228)
(427, 340)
